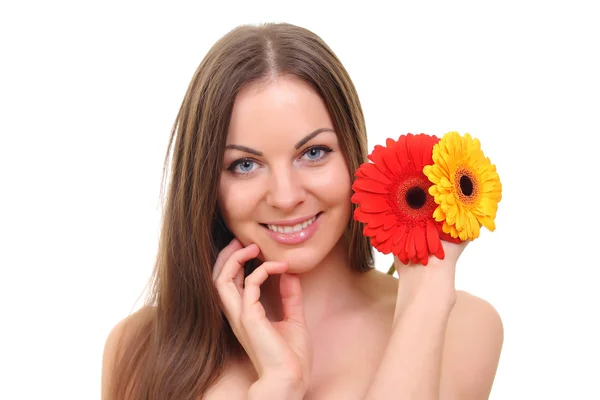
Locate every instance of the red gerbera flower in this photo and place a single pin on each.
(394, 201)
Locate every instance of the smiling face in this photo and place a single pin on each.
(285, 184)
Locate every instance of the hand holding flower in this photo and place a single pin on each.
(434, 283)
(421, 191)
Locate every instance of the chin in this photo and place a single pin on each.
(304, 250)
(302, 257)
(301, 260)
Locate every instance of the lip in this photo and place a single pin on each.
(290, 222)
(294, 237)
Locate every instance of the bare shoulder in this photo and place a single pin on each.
(474, 339)
(234, 383)
(127, 328)
(117, 341)
(380, 284)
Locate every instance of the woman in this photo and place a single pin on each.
(265, 146)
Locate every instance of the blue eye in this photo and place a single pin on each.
(313, 154)
(316, 153)
(243, 166)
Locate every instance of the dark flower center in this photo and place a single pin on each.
(466, 185)
(414, 205)
(416, 197)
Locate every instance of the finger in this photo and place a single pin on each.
(258, 277)
(224, 255)
(236, 262)
(238, 281)
(291, 298)
(228, 291)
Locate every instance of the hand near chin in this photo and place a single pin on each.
(280, 351)
(433, 282)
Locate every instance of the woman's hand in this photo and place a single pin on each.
(280, 350)
(433, 282)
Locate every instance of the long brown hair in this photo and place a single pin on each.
(182, 349)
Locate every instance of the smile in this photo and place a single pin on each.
(293, 232)
(290, 229)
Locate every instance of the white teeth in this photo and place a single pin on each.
(290, 229)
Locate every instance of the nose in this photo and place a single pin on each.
(286, 189)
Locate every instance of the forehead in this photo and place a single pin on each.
(284, 107)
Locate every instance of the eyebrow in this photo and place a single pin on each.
(301, 143)
(245, 149)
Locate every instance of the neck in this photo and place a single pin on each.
(328, 289)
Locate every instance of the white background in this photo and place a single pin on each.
(88, 93)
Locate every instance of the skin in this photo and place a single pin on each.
(306, 311)
(313, 328)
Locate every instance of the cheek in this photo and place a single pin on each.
(333, 185)
(238, 200)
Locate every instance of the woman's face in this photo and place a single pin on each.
(285, 183)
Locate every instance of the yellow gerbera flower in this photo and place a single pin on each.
(466, 186)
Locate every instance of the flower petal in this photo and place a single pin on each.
(415, 146)
(375, 204)
(390, 222)
(440, 253)
(377, 157)
(362, 197)
(433, 173)
(385, 247)
(371, 171)
(410, 244)
(445, 183)
(402, 258)
(421, 242)
(488, 222)
(372, 220)
(391, 160)
(403, 155)
(438, 214)
(428, 150)
(383, 235)
(400, 233)
(433, 237)
(369, 185)
(368, 230)
(400, 249)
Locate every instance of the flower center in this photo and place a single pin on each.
(466, 187)
(414, 206)
(415, 197)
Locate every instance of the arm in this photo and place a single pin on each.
(411, 366)
(441, 352)
(444, 344)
